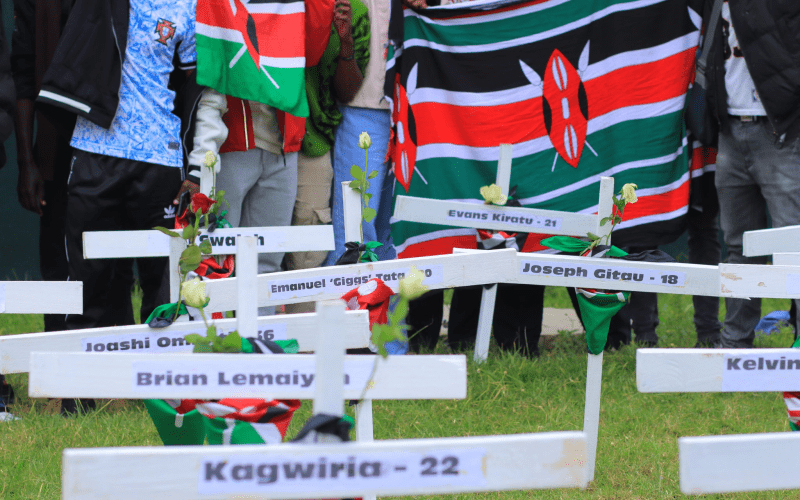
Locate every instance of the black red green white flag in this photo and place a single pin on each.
(254, 50)
(581, 88)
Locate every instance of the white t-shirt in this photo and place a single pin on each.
(743, 99)
(144, 128)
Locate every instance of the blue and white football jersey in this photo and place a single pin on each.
(144, 128)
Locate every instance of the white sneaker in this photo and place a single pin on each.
(8, 417)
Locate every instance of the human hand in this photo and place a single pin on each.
(30, 188)
(417, 4)
(189, 186)
(342, 18)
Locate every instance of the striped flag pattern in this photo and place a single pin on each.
(582, 89)
(254, 50)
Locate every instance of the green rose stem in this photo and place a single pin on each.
(364, 202)
(626, 195)
(409, 288)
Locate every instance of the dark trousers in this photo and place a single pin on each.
(106, 194)
(704, 248)
(516, 325)
(641, 314)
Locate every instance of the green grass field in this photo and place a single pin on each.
(637, 451)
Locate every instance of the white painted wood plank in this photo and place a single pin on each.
(351, 209)
(152, 243)
(117, 376)
(246, 288)
(485, 316)
(744, 462)
(429, 211)
(513, 462)
(770, 241)
(591, 412)
(786, 259)
(748, 280)
(717, 370)
(605, 206)
(697, 279)
(503, 177)
(447, 271)
(364, 427)
(15, 350)
(42, 297)
(329, 387)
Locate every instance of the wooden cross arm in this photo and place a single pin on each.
(487, 463)
(41, 297)
(214, 376)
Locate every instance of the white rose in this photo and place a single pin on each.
(364, 141)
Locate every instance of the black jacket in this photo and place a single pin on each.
(769, 37)
(86, 72)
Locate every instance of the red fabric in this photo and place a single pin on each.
(239, 120)
(278, 412)
(319, 18)
(210, 269)
(376, 301)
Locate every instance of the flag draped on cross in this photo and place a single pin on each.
(581, 89)
(254, 50)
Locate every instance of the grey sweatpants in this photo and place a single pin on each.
(261, 188)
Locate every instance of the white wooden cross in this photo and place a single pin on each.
(430, 377)
(719, 464)
(461, 214)
(15, 349)
(399, 467)
(152, 243)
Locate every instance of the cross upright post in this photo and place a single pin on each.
(489, 295)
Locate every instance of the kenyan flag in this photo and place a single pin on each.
(254, 50)
(582, 89)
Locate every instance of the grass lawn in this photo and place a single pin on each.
(637, 451)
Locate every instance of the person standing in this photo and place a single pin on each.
(111, 67)
(754, 94)
(6, 128)
(335, 79)
(44, 162)
(367, 111)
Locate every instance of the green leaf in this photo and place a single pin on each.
(372, 174)
(166, 231)
(356, 172)
(592, 236)
(367, 197)
(203, 347)
(188, 233)
(205, 246)
(617, 219)
(232, 340)
(211, 332)
(355, 184)
(368, 214)
(604, 220)
(194, 338)
(190, 259)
